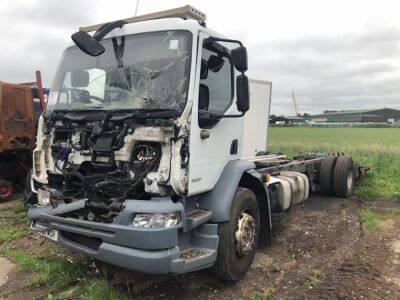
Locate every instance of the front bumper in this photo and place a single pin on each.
(149, 250)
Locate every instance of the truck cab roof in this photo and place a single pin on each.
(186, 12)
(183, 18)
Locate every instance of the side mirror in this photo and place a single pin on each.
(242, 95)
(239, 58)
(91, 44)
(79, 78)
(87, 43)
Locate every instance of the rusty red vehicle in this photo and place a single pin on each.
(17, 134)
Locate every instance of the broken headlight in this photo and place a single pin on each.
(43, 197)
(156, 220)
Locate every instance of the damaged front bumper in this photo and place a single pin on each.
(180, 249)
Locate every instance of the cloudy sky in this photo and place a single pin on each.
(333, 54)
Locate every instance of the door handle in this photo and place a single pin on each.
(204, 134)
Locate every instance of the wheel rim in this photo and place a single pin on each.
(5, 191)
(245, 235)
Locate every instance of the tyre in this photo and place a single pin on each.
(343, 177)
(326, 175)
(238, 238)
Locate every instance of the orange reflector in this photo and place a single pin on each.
(266, 178)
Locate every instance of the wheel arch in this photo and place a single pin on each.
(252, 180)
(237, 173)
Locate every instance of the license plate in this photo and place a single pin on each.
(50, 234)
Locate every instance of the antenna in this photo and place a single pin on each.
(296, 112)
(137, 6)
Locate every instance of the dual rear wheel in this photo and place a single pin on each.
(238, 237)
(337, 176)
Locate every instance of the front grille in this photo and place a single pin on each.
(37, 185)
(55, 181)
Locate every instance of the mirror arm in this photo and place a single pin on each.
(107, 28)
(216, 39)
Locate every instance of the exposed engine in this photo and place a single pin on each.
(106, 161)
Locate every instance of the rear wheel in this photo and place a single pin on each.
(6, 189)
(343, 177)
(238, 238)
(326, 175)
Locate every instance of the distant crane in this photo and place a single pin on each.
(296, 111)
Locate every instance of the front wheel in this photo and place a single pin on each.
(238, 238)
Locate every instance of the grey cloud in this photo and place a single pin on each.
(337, 72)
(344, 72)
(36, 35)
(52, 14)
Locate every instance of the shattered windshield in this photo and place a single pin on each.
(142, 71)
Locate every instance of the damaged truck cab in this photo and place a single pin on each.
(137, 156)
(150, 157)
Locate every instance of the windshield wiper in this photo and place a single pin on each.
(144, 113)
(159, 109)
(151, 113)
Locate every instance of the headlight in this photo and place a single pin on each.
(156, 220)
(43, 197)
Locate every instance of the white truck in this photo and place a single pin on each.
(151, 152)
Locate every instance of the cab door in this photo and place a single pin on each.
(213, 141)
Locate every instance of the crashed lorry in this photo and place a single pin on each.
(150, 154)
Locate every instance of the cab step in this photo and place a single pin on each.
(194, 253)
(201, 253)
(193, 259)
(196, 218)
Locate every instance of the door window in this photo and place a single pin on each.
(216, 83)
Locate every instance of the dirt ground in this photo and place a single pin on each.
(6, 268)
(318, 252)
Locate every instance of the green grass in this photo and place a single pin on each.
(18, 210)
(11, 233)
(11, 219)
(315, 277)
(370, 219)
(378, 148)
(55, 272)
(93, 290)
(263, 294)
(59, 273)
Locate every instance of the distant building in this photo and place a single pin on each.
(384, 115)
(287, 120)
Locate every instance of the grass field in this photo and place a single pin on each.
(378, 148)
(69, 277)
